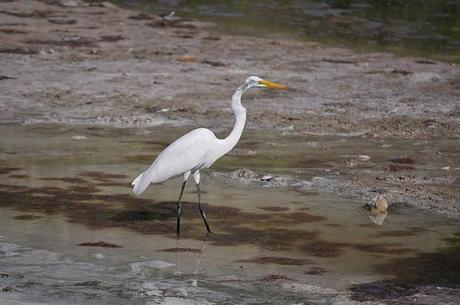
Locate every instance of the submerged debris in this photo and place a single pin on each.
(288, 261)
(378, 217)
(99, 244)
(315, 271)
(275, 277)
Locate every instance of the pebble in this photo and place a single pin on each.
(78, 138)
(243, 173)
(267, 178)
(364, 157)
(70, 3)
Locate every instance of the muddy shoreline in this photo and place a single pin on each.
(97, 64)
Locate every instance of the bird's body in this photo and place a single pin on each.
(198, 149)
(193, 151)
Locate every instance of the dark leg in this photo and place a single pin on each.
(179, 203)
(198, 190)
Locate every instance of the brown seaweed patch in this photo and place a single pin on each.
(267, 238)
(402, 160)
(141, 16)
(7, 170)
(139, 158)
(429, 271)
(334, 225)
(278, 260)
(180, 250)
(5, 77)
(275, 209)
(27, 217)
(143, 215)
(111, 38)
(12, 31)
(74, 42)
(275, 277)
(412, 231)
(301, 217)
(102, 175)
(34, 14)
(87, 189)
(62, 21)
(315, 271)
(19, 176)
(400, 167)
(379, 248)
(125, 184)
(18, 50)
(66, 179)
(101, 244)
(322, 248)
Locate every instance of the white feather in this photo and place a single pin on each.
(197, 149)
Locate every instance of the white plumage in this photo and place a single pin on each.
(193, 151)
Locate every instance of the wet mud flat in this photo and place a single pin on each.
(72, 230)
(98, 64)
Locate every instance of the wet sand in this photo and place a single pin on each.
(76, 63)
(72, 230)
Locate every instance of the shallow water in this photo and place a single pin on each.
(58, 191)
(426, 27)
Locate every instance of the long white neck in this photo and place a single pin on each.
(240, 119)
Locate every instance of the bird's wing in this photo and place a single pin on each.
(188, 153)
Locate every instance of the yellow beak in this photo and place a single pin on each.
(272, 85)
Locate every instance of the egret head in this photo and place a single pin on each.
(254, 81)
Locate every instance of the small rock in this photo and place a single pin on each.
(266, 178)
(187, 58)
(99, 255)
(78, 138)
(364, 157)
(70, 3)
(378, 204)
(446, 168)
(243, 173)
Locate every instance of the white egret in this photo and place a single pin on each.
(198, 149)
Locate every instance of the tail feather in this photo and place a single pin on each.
(141, 182)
